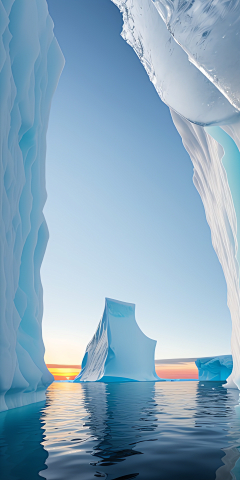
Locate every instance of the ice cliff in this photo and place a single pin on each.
(119, 350)
(190, 50)
(30, 65)
(214, 368)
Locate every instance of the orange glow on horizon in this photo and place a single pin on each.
(177, 370)
(64, 372)
(166, 370)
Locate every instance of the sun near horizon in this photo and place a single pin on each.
(185, 370)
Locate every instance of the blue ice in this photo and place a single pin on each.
(119, 351)
(214, 368)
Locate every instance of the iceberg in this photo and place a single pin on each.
(190, 51)
(30, 65)
(119, 351)
(214, 368)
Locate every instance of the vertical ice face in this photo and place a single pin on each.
(211, 180)
(119, 350)
(31, 62)
(190, 51)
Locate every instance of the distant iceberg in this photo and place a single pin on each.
(214, 368)
(119, 350)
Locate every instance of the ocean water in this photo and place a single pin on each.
(148, 431)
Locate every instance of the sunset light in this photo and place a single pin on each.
(183, 370)
(64, 372)
(177, 370)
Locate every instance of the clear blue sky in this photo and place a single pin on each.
(124, 217)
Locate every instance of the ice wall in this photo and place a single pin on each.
(210, 179)
(119, 351)
(30, 65)
(190, 51)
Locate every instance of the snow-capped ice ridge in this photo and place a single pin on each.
(190, 50)
(119, 351)
(31, 62)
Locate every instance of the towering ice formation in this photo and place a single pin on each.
(214, 368)
(211, 180)
(30, 65)
(190, 51)
(119, 350)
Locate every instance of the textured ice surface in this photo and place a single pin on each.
(210, 179)
(119, 350)
(214, 368)
(209, 32)
(30, 65)
(179, 82)
(190, 50)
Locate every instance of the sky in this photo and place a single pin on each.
(124, 217)
(184, 369)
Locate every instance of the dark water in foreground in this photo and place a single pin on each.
(172, 430)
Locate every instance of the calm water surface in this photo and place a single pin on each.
(172, 430)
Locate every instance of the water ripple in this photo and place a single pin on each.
(162, 431)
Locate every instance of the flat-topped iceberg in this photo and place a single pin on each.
(214, 368)
(119, 350)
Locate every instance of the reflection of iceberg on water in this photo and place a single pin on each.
(214, 368)
(120, 418)
(119, 350)
(21, 441)
(230, 470)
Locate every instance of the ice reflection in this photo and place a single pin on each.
(128, 417)
(21, 437)
(161, 431)
(231, 460)
(215, 403)
(213, 400)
